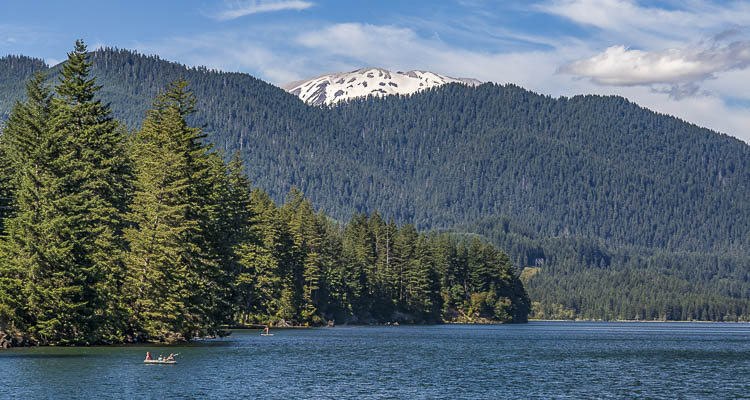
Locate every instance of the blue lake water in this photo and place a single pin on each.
(535, 360)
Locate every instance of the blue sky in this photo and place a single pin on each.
(685, 58)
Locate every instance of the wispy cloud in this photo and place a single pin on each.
(401, 48)
(12, 34)
(252, 51)
(241, 9)
(651, 25)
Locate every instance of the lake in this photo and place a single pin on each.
(535, 360)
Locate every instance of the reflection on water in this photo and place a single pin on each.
(536, 360)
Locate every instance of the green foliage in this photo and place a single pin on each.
(584, 278)
(64, 240)
(397, 274)
(568, 185)
(179, 270)
(97, 175)
(29, 294)
(154, 237)
(259, 283)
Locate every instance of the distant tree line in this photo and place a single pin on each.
(569, 278)
(111, 236)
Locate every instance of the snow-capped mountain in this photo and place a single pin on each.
(332, 88)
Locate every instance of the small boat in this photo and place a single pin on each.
(159, 361)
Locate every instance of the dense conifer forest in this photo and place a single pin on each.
(611, 210)
(112, 235)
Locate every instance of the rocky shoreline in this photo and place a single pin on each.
(11, 338)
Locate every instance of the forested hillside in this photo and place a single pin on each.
(14, 71)
(151, 236)
(624, 212)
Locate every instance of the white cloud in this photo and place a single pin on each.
(244, 8)
(730, 84)
(13, 35)
(681, 70)
(363, 42)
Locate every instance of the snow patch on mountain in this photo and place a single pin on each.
(332, 88)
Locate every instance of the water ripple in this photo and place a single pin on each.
(538, 360)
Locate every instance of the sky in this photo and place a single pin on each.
(690, 59)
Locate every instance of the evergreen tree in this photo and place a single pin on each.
(94, 201)
(422, 284)
(330, 293)
(259, 282)
(360, 255)
(172, 286)
(306, 267)
(233, 224)
(33, 286)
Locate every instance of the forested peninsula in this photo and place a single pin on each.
(111, 236)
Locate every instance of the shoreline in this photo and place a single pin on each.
(637, 320)
(261, 327)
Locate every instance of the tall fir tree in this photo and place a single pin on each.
(306, 256)
(175, 284)
(33, 286)
(95, 196)
(259, 283)
(422, 283)
(292, 264)
(313, 262)
(233, 222)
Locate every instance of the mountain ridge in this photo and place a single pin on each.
(478, 115)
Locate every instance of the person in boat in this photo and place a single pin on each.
(161, 357)
(170, 357)
(148, 356)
